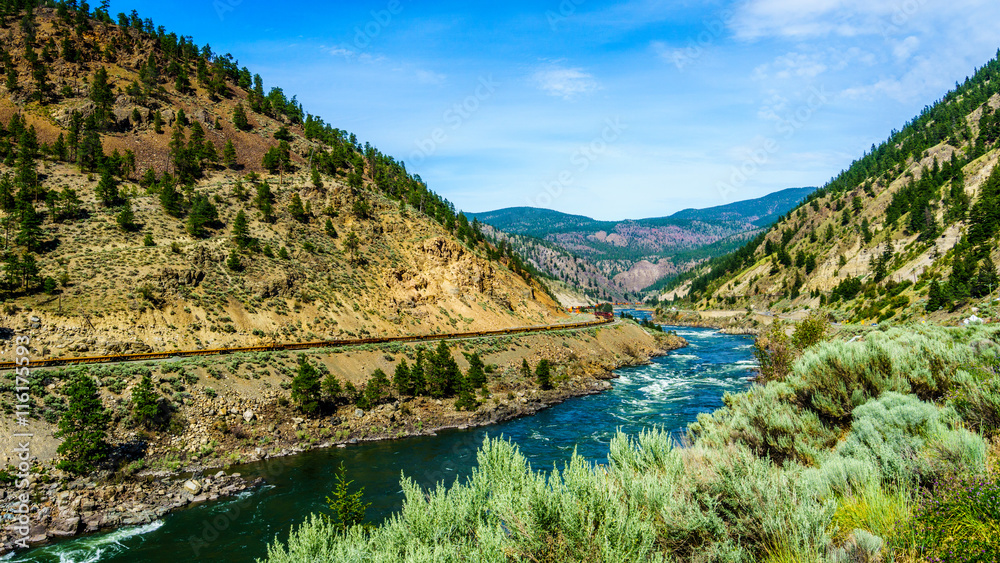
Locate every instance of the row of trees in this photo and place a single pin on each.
(433, 374)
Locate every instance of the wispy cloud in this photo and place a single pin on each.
(430, 77)
(565, 83)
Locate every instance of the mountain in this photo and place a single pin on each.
(155, 196)
(632, 255)
(909, 230)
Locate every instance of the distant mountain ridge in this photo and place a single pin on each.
(538, 222)
(631, 255)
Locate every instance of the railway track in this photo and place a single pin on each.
(301, 345)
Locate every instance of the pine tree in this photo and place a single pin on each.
(145, 406)
(402, 380)
(525, 368)
(170, 199)
(417, 374)
(241, 231)
(331, 387)
(229, 154)
(30, 233)
(233, 261)
(102, 96)
(126, 218)
(158, 122)
(377, 389)
(543, 375)
(83, 427)
(476, 374)
(986, 279)
(202, 214)
(240, 118)
(316, 179)
(107, 188)
(935, 297)
(59, 147)
(330, 231)
(306, 387)
(296, 210)
(348, 508)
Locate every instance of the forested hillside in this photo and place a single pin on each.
(909, 229)
(152, 183)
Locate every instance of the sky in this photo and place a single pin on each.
(612, 110)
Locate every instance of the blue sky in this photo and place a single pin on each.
(611, 110)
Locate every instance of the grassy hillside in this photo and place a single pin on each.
(908, 230)
(152, 184)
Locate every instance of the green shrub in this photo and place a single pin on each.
(909, 440)
(958, 521)
(768, 422)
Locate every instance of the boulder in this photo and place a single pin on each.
(192, 486)
(64, 527)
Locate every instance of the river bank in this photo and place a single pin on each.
(246, 417)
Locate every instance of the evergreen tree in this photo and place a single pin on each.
(102, 96)
(170, 199)
(306, 387)
(402, 380)
(331, 387)
(296, 210)
(348, 508)
(145, 406)
(30, 233)
(417, 374)
(543, 375)
(330, 231)
(158, 122)
(126, 218)
(986, 279)
(107, 188)
(241, 231)
(90, 153)
(525, 368)
(476, 374)
(30, 273)
(316, 179)
(83, 427)
(377, 389)
(202, 214)
(229, 155)
(935, 297)
(240, 118)
(233, 261)
(59, 147)
(466, 398)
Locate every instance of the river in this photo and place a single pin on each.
(670, 393)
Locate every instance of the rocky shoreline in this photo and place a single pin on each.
(65, 508)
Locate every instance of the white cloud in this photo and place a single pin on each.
(430, 77)
(565, 83)
(905, 48)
